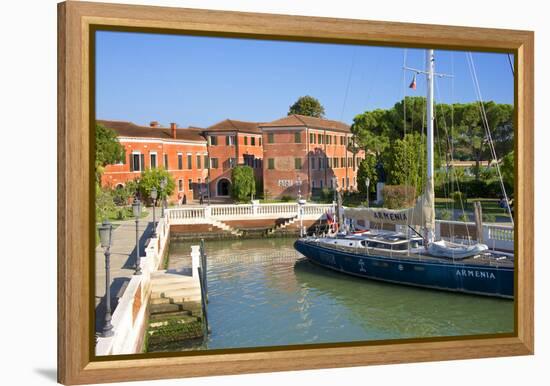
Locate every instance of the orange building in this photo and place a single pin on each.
(294, 148)
(232, 143)
(181, 151)
(306, 154)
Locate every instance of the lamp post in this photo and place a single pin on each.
(163, 184)
(299, 184)
(154, 195)
(207, 179)
(367, 183)
(136, 209)
(105, 233)
(335, 187)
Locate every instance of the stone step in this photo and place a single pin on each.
(177, 319)
(160, 300)
(184, 296)
(168, 315)
(165, 308)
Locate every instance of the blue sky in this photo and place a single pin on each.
(199, 81)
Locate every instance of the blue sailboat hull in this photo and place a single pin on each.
(441, 275)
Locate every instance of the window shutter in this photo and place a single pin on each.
(142, 162)
(131, 162)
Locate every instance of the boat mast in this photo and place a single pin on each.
(430, 65)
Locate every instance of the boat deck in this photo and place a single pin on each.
(486, 258)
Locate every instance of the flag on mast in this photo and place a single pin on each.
(413, 83)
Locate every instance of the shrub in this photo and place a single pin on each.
(398, 196)
(464, 218)
(459, 198)
(489, 217)
(151, 178)
(286, 198)
(445, 214)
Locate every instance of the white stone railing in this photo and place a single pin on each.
(205, 214)
(129, 317)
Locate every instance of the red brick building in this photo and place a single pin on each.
(307, 149)
(281, 152)
(232, 143)
(181, 151)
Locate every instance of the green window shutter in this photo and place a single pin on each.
(142, 162)
(131, 162)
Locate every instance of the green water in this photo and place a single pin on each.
(264, 293)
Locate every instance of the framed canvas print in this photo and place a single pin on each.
(249, 192)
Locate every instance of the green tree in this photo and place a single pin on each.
(243, 183)
(152, 178)
(104, 203)
(307, 105)
(406, 163)
(507, 169)
(108, 149)
(371, 131)
(367, 169)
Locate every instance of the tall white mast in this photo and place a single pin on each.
(430, 65)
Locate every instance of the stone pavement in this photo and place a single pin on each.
(123, 259)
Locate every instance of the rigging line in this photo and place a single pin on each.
(511, 65)
(453, 171)
(349, 82)
(473, 73)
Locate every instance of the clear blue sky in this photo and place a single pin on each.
(199, 81)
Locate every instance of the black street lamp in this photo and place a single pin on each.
(136, 208)
(105, 233)
(154, 195)
(163, 184)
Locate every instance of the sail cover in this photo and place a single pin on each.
(422, 213)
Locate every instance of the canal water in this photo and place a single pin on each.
(264, 293)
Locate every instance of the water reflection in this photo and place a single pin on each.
(264, 293)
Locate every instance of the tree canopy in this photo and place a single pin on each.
(151, 178)
(307, 105)
(459, 131)
(108, 150)
(243, 183)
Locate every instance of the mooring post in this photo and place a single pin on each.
(204, 268)
(195, 260)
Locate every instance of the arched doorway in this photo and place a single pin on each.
(223, 187)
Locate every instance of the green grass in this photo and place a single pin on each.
(489, 206)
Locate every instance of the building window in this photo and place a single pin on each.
(180, 185)
(343, 180)
(329, 162)
(271, 163)
(336, 162)
(180, 161)
(312, 163)
(253, 141)
(353, 162)
(245, 140)
(206, 163)
(341, 140)
(213, 140)
(259, 141)
(198, 161)
(313, 184)
(190, 184)
(347, 182)
(232, 162)
(153, 160)
(328, 138)
(189, 161)
(135, 162)
(320, 139)
(270, 138)
(321, 184)
(230, 140)
(311, 138)
(165, 161)
(214, 163)
(298, 137)
(297, 163)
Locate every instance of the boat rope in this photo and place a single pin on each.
(511, 65)
(485, 121)
(348, 83)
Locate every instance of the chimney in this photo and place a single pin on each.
(173, 127)
(154, 124)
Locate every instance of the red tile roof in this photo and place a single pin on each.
(130, 129)
(233, 125)
(306, 121)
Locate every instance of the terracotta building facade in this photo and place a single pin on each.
(290, 156)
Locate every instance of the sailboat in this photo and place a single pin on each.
(409, 257)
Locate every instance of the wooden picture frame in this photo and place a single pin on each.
(76, 362)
